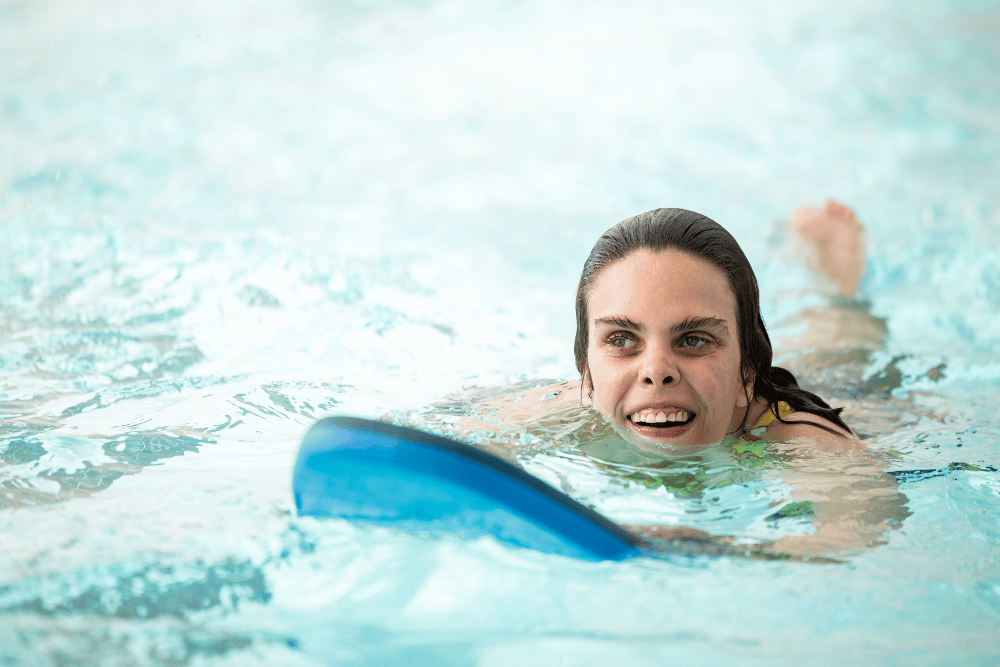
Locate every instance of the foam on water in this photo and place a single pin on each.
(221, 221)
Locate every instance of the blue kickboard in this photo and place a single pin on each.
(371, 472)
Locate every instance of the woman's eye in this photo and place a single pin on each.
(621, 342)
(692, 340)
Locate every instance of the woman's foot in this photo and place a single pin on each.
(838, 241)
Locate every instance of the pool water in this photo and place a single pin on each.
(222, 221)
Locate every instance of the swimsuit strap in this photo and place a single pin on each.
(774, 411)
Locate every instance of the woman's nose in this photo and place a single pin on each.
(659, 371)
(655, 378)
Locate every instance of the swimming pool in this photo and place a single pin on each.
(222, 221)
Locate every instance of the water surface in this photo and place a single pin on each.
(220, 222)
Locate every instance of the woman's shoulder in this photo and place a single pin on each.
(797, 424)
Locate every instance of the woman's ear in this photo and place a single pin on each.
(586, 388)
(746, 397)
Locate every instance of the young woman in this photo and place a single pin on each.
(671, 345)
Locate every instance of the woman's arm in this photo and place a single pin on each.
(854, 507)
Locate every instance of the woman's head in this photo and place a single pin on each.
(702, 342)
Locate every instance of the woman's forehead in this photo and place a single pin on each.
(658, 284)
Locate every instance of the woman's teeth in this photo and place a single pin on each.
(658, 417)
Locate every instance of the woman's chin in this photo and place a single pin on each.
(660, 440)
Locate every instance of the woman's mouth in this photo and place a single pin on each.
(661, 419)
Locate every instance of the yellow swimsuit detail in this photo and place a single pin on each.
(782, 409)
(751, 440)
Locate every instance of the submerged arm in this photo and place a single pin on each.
(854, 502)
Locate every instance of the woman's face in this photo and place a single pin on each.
(663, 354)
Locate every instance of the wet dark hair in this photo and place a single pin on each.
(703, 237)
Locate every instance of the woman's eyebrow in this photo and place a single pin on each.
(701, 323)
(620, 322)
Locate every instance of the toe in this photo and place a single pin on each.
(809, 222)
(835, 209)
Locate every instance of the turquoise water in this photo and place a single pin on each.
(220, 222)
